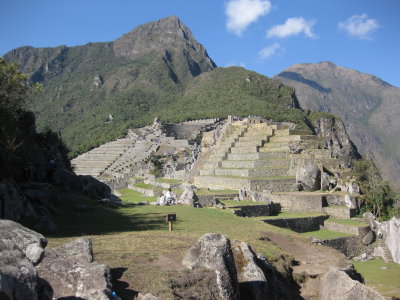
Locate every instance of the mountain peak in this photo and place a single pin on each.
(159, 35)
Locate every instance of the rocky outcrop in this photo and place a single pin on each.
(308, 177)
(336, 137)
(213, 252)
(27, 271)
(12, 201)
(337, 285)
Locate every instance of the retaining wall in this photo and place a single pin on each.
(298, 224)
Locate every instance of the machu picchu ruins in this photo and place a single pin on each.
(139, 169)
(273, 164)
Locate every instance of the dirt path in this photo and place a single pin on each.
(314, 259)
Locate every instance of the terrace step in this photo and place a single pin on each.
(257, 155)
(289, 138)
(260, 172)
(253, 164)
(247, 149)
(354, 229)
(340, 212)
(254, 184)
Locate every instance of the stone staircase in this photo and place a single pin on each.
(255, 157)
(97, 160)
(139, 151)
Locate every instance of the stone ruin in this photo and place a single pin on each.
(111, 161)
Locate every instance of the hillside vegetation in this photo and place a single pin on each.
(93, 93)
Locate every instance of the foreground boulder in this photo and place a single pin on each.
(337, 285)
(67, 271)
(213, 252)
(15, 237)
(20, 249)
(70, 271)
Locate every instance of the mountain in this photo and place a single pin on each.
(93, 93)
(369, 107)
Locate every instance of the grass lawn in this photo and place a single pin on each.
(325, 234)
(382, 276)
(136, 239)
(169, 180)
(130, 196)
(230, 203)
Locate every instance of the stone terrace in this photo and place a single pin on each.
(255, 157)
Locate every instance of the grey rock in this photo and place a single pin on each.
(259, 197)
(12, 200)
(66, 178)
(350, 202)
(337, 285)
(188, 197)
(148, 296)
(70, 271)
(336, 138)
(253, 283)
(295, 147)
(369, 238)
(213, 252)
(20, 249)
(14, 236)
(353, 188)
(389, 232)
(18, 276)
(40, 192)
(325, 182)
(46, 224)
(94, 188)
(308, 177)
(242, 195)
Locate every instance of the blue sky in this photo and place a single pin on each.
(264, 36)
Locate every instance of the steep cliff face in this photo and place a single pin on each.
(336, 137)
(368, 106)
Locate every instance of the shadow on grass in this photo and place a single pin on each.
(95, 219)
(120, 286)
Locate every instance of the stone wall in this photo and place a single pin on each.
(256, 210)
(298, 224)
(303, 203)
(356, 230)
(350, 246)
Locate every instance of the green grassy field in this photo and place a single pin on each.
(136, 239)
(380, 275)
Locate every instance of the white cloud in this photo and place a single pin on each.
(241, 13)
(233, 64)
(293, 26)
(359, 26)
(271, 50)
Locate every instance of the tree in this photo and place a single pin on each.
(15, 90)
(377, 193)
